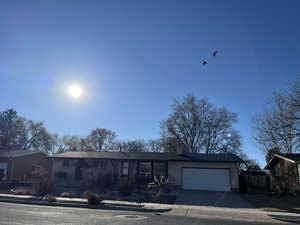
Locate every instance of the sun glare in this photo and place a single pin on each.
(75, 91)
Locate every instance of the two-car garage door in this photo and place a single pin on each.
(206, 179)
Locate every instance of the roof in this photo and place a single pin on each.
(19, 153)
(228, 157)
(295, 157)
(194, 157)
(277, 157)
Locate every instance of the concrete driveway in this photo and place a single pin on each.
(211, 198)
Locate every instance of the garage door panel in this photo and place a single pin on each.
(206, 179)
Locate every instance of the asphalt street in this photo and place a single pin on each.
(16, 214)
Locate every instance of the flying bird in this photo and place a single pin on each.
(204, 62)
(215, 53)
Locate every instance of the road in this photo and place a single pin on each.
(16, 214)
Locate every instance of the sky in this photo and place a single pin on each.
(133, 58)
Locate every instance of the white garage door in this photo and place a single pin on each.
(206, 179)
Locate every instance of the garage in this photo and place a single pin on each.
(206, 179)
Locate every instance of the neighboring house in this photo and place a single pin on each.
(18, 165)
(214, 172)
(285, 172)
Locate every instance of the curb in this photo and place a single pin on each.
(102, 206)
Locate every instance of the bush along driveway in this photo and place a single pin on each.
(273, 202)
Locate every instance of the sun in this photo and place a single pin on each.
(74, 91)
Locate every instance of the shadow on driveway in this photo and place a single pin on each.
(212, 198)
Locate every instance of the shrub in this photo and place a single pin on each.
(125, 188)
(92, 198)
(45, 184)
(101, 196)
(157, 197)
(86, 194)
(160, 184)
(22, 191)
(28, 192)
(51, 198)
(142, 181)
(161, 197)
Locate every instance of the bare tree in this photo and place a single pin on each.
(17, 133)
(277, 127)
(198, 126)
(249, 164)
(131, 146)
(154, 145)
(294, 96)
(12, 130)
(36, 137)
(219, 135)
(69, 143)
(171, 144)
(101, 139)
(271, 152)
(294, 99)
(56, 144)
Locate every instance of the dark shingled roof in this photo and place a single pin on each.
(14, 154)
(277, 157)
(213, 157)
(194, 157)
(295, 157)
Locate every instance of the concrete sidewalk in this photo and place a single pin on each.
(70, 200)
(82, 203)
(205, 212)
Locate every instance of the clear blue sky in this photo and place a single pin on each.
(132, 58)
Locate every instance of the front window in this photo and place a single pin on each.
(145, 169)
(125, 168)
(3, 171)
(160, 169)
(66, 163)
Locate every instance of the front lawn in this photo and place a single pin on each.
(274, 203)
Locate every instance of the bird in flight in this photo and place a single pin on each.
(204, 62)
(215, 53)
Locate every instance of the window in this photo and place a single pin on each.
(160, 169)
(145, 169)
(125, 168)
(3, 171)
(66, 163)
(69, 162)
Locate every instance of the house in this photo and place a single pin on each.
(285, 172)
(213, 172)
(18, 165)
